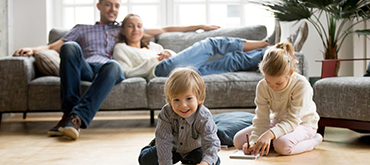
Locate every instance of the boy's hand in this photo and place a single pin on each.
(203, 163)
(263, 143)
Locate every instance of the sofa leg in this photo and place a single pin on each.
(321, 131)
(24, 115)
(151, 116)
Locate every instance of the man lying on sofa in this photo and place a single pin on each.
(83, 58)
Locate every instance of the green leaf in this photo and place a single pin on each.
(336, 13)
(287, 10)
(321, 4)
(363, 32)
(354, 9)
(364, 11)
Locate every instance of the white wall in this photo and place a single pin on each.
(31, 25)
(361, 50)
(3, 28)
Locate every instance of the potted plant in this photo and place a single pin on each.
(337, 12)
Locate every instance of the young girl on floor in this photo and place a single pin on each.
(286, 95)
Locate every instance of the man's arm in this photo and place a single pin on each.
(30, 51)
(153, 32)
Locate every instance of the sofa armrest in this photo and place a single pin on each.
(343, 98)
(15, 75)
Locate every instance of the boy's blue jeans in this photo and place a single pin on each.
(148, 156)
(197, 55)
(73, 69)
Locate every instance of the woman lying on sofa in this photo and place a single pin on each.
(140, 58)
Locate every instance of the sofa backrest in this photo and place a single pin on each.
(56, 33)
(178, 41)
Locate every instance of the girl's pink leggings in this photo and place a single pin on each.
(298, 141)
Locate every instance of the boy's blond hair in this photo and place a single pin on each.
(279, 60)
(182, 80)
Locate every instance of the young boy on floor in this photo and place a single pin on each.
(185, 129)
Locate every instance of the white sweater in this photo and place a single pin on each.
(289, 107)
(136, 62)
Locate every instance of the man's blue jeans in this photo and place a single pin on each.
(148, 156)
(73, 69)
(197, 55)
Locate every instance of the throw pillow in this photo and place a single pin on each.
(47, 62)
(228, 124)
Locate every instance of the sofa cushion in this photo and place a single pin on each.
(228, 124)
(47, 62)
(178, 41)
(44, 94)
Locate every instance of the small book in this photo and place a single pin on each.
(240, 155)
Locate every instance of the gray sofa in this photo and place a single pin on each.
(343, 102)
(23, 89)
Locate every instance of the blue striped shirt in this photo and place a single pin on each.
(174, 133)
(96, 41)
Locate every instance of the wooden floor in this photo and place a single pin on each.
(117, 137)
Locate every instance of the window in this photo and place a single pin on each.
(74, 12)
(157, 13)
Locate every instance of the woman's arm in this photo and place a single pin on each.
(156, 31)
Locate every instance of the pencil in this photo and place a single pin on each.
(247, 140)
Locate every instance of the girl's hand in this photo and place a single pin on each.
(246, 149)
(263, 143)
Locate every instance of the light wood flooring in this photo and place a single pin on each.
(117, 137)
